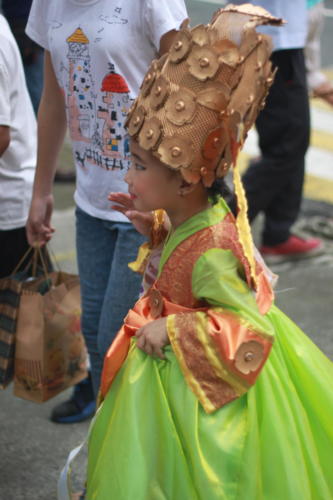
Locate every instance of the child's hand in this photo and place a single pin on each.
(124, 201)
(153, 337)
(142, 221)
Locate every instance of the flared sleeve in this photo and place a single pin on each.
(221, 349)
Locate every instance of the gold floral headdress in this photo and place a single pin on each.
(198, 101)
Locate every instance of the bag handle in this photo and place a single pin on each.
(37, 253)
(17, 267)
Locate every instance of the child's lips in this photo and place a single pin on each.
(133, 196)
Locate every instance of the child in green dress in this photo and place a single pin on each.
(209, 391)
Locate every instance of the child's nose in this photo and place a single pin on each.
(127, 176)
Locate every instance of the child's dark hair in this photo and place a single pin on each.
(220, 188)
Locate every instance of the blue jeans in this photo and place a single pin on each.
(108, 287)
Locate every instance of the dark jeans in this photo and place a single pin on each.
(274, 183)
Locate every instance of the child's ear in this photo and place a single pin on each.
(185, 188)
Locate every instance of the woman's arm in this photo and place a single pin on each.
(4, 138)
(51, 132)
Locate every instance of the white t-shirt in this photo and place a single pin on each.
(17, 164)
(101, 50)
(291, 35)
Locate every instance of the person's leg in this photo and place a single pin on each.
(283, 210)
(13, 246)
(274, 184)
(34, 77)
(262, 182)
(123, 286)
(95, 248)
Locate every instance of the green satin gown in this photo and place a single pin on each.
(152, 439)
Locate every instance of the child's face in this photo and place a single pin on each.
(151, 184)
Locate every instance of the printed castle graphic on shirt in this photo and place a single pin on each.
(96, 118)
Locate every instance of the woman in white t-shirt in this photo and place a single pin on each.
(96, 54)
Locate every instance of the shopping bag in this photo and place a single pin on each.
(50, 353)
(10, 291)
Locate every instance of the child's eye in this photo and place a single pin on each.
(139, 167)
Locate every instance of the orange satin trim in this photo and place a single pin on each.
(264, 294)
(137, 317)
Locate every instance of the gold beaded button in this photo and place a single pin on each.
(149, 79)
(159, 92)
(180, 47)
(249, 357)
(180, 107)
(203, 62)
(207, 175)
(214, 144)
(155, 302)
(136, 121)
(176, 152)
(150, 133)
(222, 168)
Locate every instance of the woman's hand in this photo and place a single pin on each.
(38, 227)
(142, 221)
(153, 337)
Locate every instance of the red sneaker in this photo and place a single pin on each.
(294, 248)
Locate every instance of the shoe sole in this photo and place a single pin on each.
(87, 413)
(279, 259)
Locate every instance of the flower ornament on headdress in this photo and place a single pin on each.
(199, 100)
